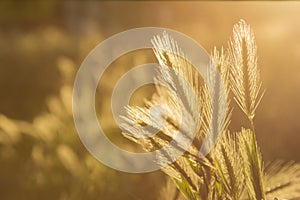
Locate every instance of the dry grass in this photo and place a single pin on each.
(234, 169)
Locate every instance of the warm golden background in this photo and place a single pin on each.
(42, 46)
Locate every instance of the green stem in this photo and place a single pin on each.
(261, 193)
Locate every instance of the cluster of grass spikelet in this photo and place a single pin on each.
(233, 168)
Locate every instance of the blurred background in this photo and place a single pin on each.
(42, 45)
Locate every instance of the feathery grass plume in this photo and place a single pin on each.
(245, 74)
(170, 55)
(214, 100)
(177, 95)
